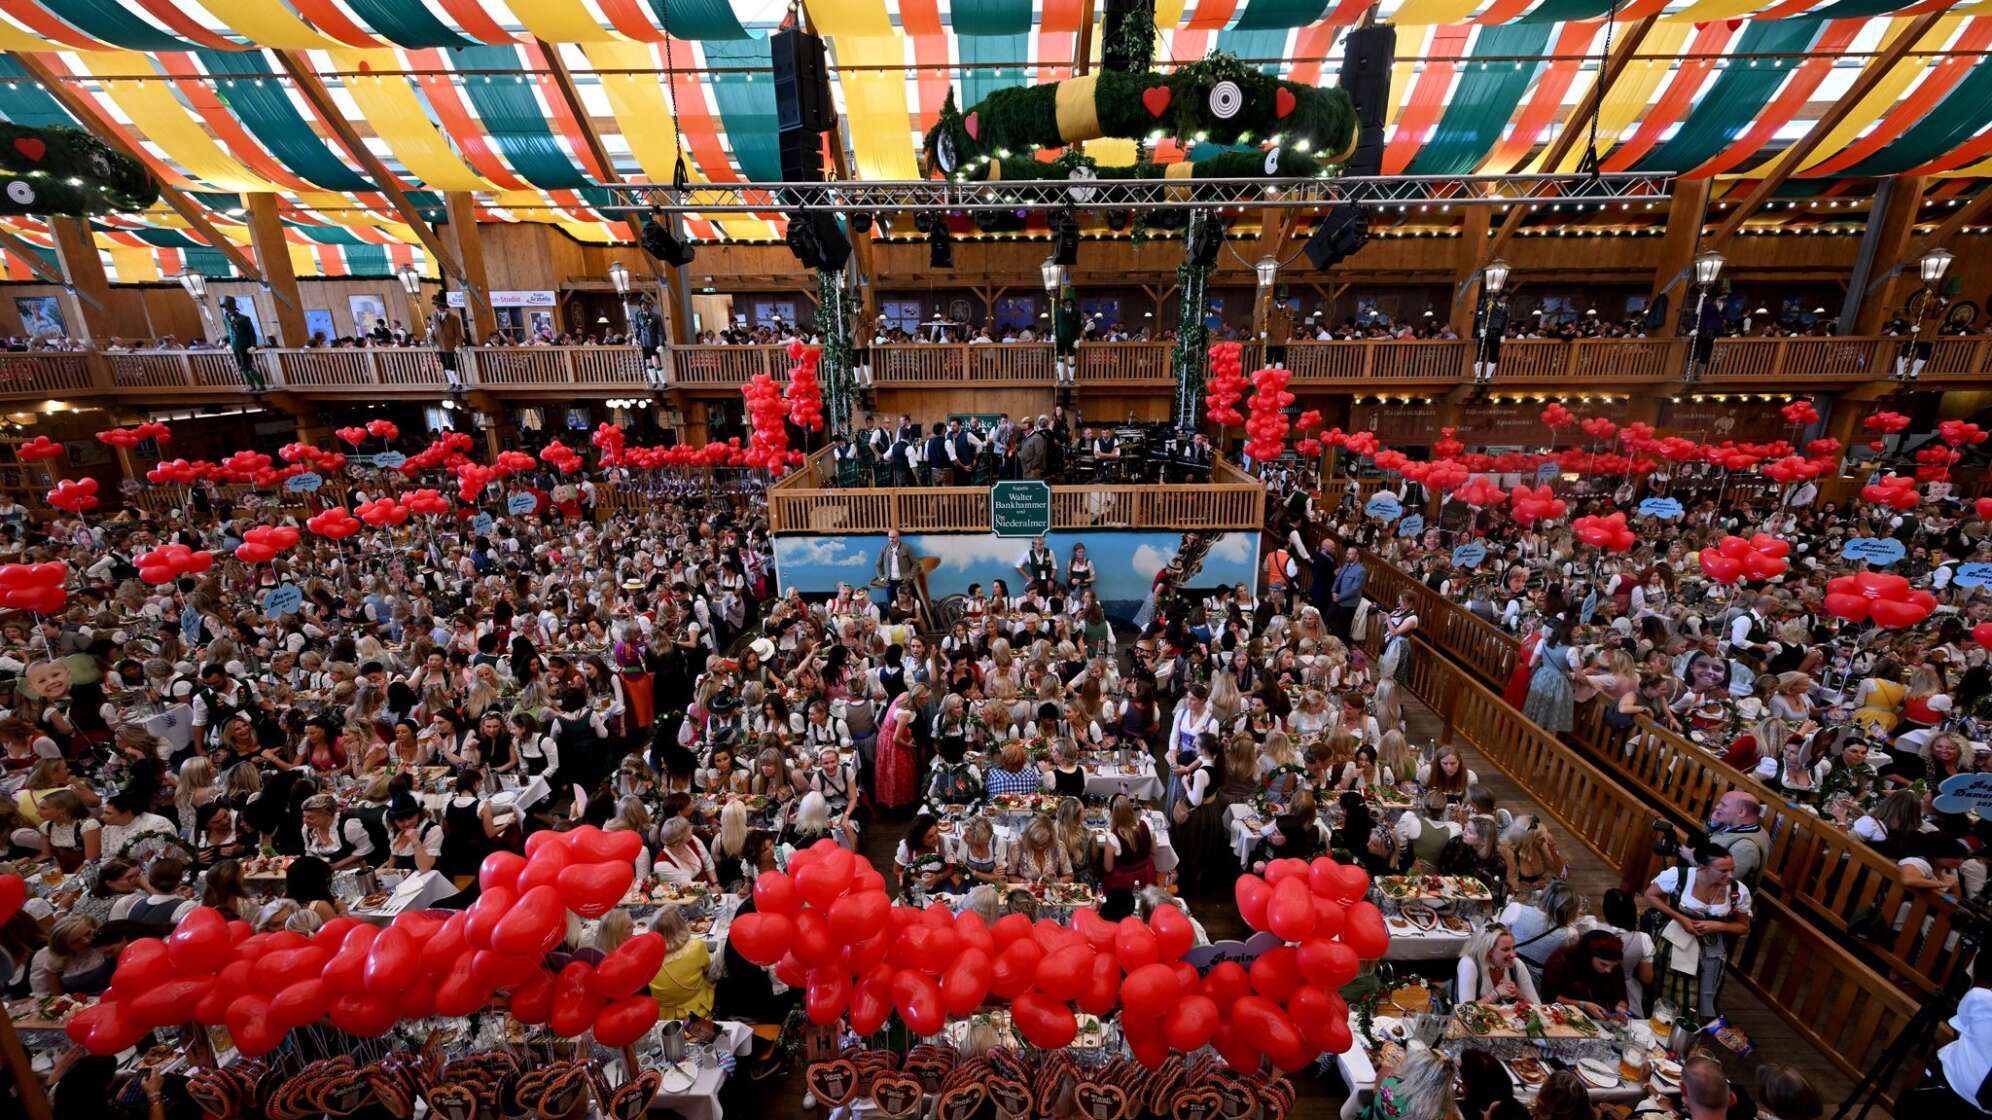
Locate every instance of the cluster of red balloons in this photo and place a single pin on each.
(608, 439)
(384, 429)
(1318, 908)
(1556, 416)
(132, 437)
(1609, 532)
(1480, 493)
(510, 463)
(1933, 463)
(264, 542)
(382, 513)
(1528, 506)
(1878, 597)
(178, 472)
(561, 457)
(805, 391)
(335, 524)
(1887, 423)
(1792, 469)
(1599, 428)
(1800, 414)
(767, 445)
(1960, 433)
(472, 478)
(1225, 386)
(429, 503)
(74, 495)
(1267, 423)
(1762, 556)
(34, 587)
(1894, 491)
(352, 435)
(1443, 475)
(40, 447)
(169, 562)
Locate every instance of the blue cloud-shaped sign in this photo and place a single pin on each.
(1963, 793)
(1384, 506)
(1879, 551)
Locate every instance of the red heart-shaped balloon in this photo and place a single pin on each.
(593, 889)
(1284, 102)
(31, 147)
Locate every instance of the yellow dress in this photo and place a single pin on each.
(681, 988)
(1884, 705)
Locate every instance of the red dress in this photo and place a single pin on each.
(895, 770)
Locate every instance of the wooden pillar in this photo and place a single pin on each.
(1891, 229)
(1687, 209)
(89, 289)
(1644, 407)
(469, 247)
(266, 236)
(1467, 264)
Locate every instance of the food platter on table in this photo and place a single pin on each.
(1416, 918)
(1446, 888)
(1387, 797)
(1528, 1071)
(267, 867)
(1064, 894)
(374, 901)
(1521, 1020)
(1023, 803)
(655, 892)
(1597, 1073)
(46, 1013)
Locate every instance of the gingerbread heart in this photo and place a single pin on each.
(1237, 1098)
(1100, 1102)
(961, 1102)
(896, 1096)
(1156, 100)
(452, 1102)
(973, 123)
(1012, 1097)
(833, 1083)
(1284, 102)
(31, 147)
(1196, 1104)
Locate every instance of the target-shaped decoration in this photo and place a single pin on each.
(944, 152)
(1226, 99)
(21, 192)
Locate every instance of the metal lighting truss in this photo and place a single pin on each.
(1379, 192)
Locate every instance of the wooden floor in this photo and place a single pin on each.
(1322, 1096)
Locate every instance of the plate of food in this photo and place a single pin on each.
(755, 802)
(1396, 886)
(374, 901)
(1067, 894)
(1528, 1071)
(51, 1011)
(1387, 797)
(1422, 918)
(680, 893)
(700, 925)
(1667, 1072)
(1469, 888)
(159, 1057)
(1453, 923)
(1598, 1073)
(1479, 1018)
(1568, 1015)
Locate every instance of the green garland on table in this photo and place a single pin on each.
(833, 320)
(70, 174)
(1218, 99)
(1191, 360)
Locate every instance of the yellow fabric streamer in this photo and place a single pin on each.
(1111, 151)
(637, 100)
(1628, 97)
(1410, 45)
(878, 118)
(560, 21)
(133, 266)
(1169, 14)
(1422, 12)
(865, 19)
(1708, 11)
(1886, 93)
(268, 24)
(304, 262)
(390, 105)
(159, 117)
(1078, 115)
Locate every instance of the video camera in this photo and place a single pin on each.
(1670, 841)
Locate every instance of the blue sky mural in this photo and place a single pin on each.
(1126, 562)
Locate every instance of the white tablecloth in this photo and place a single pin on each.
(701, 1100)
(1006, 835)
(1144, 786)
(1425, 945)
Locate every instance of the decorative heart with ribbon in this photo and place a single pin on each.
(1284, 102)
(1196, 1104)
(1100, 1102)
(973, 124)
(961, 1102)
(1012, 1097)
(896, 1096)
(1237, 1098)
(833, 1083)
(1156, 100)
(32, 147)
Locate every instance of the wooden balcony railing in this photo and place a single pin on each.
(1349, 366)
(803, 502)
(1815, 866)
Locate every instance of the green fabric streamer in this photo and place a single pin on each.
(1560, 11)
(266, 109)
(1261, 15)
(1267, 43)
(157, 238)
(512, 116)
(115, 24)
(24, 102)
(1740, 91)
(993, 17)
(368, 260)
(747, 107)
(703, 20)
(1957, 118)
(407, 23)
(977, 84)
(207, 261)
(1483, 101)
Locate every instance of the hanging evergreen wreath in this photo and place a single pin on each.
(66, 173)
(1219, 99)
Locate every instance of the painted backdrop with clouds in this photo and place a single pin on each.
(1125, 562)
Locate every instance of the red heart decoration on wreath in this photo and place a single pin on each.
(31, 147)
(973, 123)
(1284, 102)
(1156, 100)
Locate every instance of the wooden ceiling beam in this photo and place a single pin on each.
(563, 81)
(80, 106)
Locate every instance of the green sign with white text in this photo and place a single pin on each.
(1020, 509)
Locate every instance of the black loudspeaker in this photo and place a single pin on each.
(802, 156)
(816, 241)
(660, 242)
(1366, 60)
(1208, 242)
(1065, 229)
(802, 81)
(1342, 230)
(940, 246)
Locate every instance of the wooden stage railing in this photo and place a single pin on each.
(1806, 975)
(1816, 867)
(803, 502)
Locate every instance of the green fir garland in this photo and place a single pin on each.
(66, 173)
(833, 321)
(1191, 361)
(1281, 162)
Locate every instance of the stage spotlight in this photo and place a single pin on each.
(861, 221)
(816, 241)
(940, 246)
(1208, 243)
(1066, 227)
(660, 242)
(1117, 220)
(923, 220)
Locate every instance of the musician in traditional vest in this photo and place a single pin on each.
(1039, 565)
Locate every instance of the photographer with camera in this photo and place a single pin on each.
(1958, 1082)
